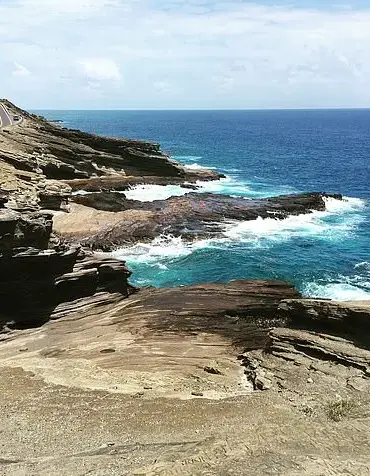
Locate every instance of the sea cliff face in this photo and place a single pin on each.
(117, 360)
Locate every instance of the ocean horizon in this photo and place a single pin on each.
(52, 110)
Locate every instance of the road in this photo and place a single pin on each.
(5, 119)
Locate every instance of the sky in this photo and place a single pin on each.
(177, 54)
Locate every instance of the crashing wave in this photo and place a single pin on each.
(336, 291)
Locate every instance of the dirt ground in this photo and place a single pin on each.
(56, 430)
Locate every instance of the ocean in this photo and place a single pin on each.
(262, 153)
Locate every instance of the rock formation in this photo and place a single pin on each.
(194, 215)
(38, 273)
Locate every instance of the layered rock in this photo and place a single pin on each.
(37, 275)
(307, 347)
(24, 230)
(321, 330)
(342, 318)
(181, 342)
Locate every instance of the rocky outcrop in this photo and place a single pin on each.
(37, 145)
(194, 215)
(322, 337)
(34, 150)
(341, 318)
(122, 182)
(24, 230)
(308, 347)
(169, 342)
(338, 332)
(34, 282)
(37, 274)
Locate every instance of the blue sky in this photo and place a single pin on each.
(143, 54)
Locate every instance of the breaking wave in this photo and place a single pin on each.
(169, 254)
(327, 225)
(163, 248)
(149, 193)
(227, 186)
(199, 167)
(341, 291)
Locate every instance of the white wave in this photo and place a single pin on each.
(227, 186)
(192, 158)
(364, 265)
(197, 166)
(347, 204)
(161, 249)
(81, 192)
(149, 193)
(272, 228)
(314, 224)
(254, 233)
(232, 185)
(336, 291)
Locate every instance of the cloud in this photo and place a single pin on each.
(67, 6)
(20, 71)
(177, 53)
(100, 69)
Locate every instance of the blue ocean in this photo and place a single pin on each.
(262, 153)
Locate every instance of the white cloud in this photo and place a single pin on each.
(100, 69)
(20, 70)
(163, 87)
(68, 6)
(177, 53)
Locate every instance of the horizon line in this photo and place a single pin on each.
(212, 109)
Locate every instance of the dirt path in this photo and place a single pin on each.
(53, 430)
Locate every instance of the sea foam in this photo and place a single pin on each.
(149, 193)
(339, 220)
(319, 224)
(163, 249)
(336, 291)
(226, 186)
(197, 166)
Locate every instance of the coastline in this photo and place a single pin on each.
(75, 330)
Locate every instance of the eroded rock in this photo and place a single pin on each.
(301, 346)
(194, 215)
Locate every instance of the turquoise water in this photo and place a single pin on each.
(262, 153)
